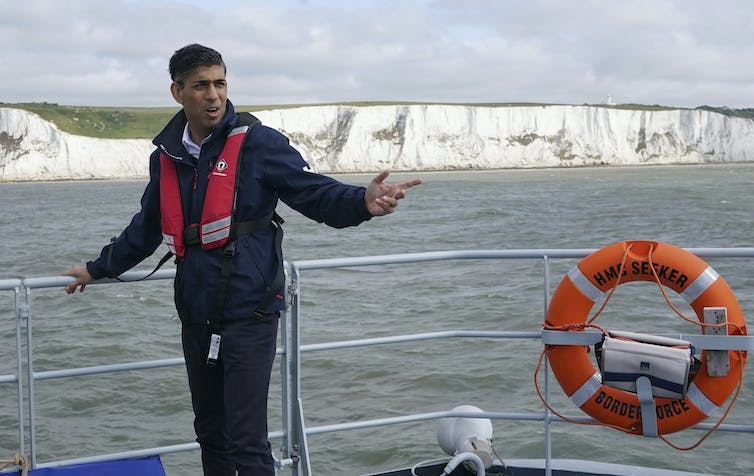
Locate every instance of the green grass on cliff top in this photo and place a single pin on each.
(146, 122)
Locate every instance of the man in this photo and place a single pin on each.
(211, 195)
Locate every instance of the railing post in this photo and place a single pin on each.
(297, 434)
(548, 414)
(21, 313)
(285, 375)
(289, 370)
(30, 384)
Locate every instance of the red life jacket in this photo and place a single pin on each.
(217, 226)
(219, 201)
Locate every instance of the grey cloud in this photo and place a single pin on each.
(672, 52)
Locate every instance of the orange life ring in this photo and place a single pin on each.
(677, 269)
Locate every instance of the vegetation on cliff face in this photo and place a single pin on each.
(146, 122)
(744, 113)
(102, 122)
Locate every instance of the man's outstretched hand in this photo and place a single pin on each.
(382, 198)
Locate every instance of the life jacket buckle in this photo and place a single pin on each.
(230, 249)
(191, 234)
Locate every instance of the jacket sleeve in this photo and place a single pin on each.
(139, 239)
(316, 196)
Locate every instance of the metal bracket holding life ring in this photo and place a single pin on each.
(603, 271)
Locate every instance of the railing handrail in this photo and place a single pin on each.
(293, 432)
(297, 348)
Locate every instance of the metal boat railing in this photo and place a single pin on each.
(293, 434)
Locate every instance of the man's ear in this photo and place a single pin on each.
(176, 91)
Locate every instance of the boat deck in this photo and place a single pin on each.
(533, 467)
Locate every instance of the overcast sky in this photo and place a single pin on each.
(115, 52)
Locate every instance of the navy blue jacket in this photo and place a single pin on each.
(270, 170)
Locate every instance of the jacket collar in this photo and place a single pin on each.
(169, 139)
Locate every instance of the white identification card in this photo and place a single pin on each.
(214, 349)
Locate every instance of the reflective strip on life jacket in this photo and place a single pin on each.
(218, 230)
(219, 201)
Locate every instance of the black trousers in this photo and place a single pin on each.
(230, 398)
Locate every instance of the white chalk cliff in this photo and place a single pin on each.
(339, 139)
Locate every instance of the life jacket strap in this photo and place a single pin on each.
(191, 232)
(229, 251)
(250, 226)
(163, 260)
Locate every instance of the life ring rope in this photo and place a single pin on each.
(694, 290)
(596, 277)
(719, 422)
(706, 279)
(612, 290)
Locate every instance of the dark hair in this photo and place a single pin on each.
(190, 58)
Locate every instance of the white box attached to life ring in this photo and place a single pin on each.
(666, 362)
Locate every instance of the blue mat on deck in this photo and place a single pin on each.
(151, 466)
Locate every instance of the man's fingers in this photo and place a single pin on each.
(80, 279)
(391, 201)
(387, 205)
(381, 177)
(410, 183)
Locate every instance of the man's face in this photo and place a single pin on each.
(203, 96)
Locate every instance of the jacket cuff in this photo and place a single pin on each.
(96, 271)
(362, 208)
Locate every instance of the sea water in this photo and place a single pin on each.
(46, 228)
